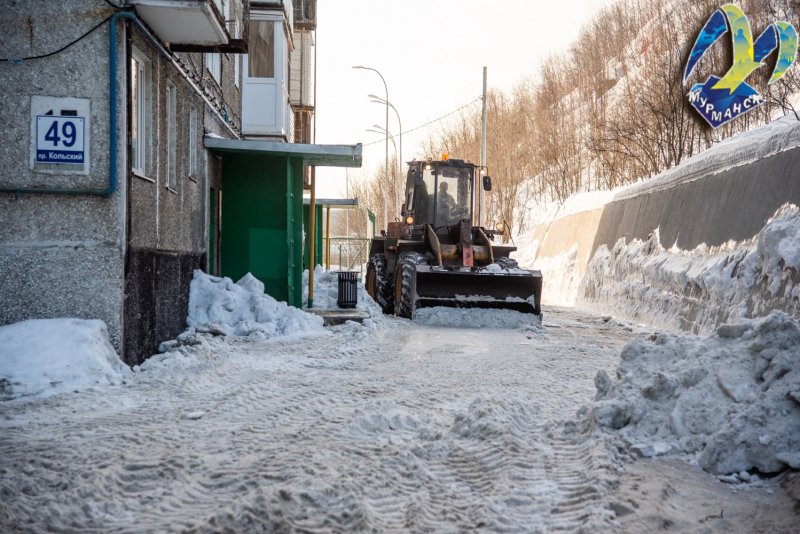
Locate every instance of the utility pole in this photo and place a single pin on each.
(483, 152)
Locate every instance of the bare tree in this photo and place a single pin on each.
(613, 109)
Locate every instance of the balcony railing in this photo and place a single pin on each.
(305, 14)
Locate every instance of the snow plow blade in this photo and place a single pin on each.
(518, 290)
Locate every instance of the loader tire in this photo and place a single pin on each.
(379, 283)
(507, 263)
(406, 283)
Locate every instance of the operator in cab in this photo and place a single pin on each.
(445, 204)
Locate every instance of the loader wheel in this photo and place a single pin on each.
(379, 283)
(406, 284)
(507, 263)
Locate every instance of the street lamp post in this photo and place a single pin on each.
(386, 144)
(380, 100)
(379, 129)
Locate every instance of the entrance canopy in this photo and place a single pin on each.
(261, 213)
(316, 155)
(341, 203)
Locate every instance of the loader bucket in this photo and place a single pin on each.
(514, 290)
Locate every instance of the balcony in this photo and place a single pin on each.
(305, 14)
(197, 25)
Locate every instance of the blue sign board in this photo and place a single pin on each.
(60, 139)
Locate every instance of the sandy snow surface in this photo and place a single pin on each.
(256, 419)
(391, 425)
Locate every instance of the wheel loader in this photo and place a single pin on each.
(435, 255)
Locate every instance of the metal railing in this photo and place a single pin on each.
(305, 13)
(347, 253)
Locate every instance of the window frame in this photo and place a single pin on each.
(194, 168)
(237, 69)
(141, 113)
(171, 170)
(213, 64)
(272, 46)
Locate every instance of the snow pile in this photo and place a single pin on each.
(700, 289)
(527, 247)
(561, 277)
(326, 291)
(43, 357)
(732, 400)
(220, 306)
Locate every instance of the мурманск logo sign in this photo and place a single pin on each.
(720, 100)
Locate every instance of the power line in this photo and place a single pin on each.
(42, 56)
(430, 122)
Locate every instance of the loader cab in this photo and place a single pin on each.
(439, 192)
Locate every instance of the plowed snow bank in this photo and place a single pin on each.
(44, 357)
(700, 289)
(732, 400)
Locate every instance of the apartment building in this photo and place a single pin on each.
(144, 139)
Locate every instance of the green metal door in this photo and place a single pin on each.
(261, 222)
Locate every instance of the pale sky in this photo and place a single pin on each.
(432, 54)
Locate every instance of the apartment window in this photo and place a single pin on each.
(141, 113)
(193, 172)
(237, 60)
(172, 137)
(214, 65)
(261, 50)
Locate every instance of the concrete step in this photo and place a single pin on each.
(334, 317)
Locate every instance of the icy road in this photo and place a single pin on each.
(396, 426)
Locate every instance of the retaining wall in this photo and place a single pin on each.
(705, 206)
(730, 205)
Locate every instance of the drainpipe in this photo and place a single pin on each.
(312, 232)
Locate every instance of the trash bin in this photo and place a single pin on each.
(348, 289)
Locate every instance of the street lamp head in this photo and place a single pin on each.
(376, 98)
(357, 67)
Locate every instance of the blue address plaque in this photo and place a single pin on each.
(60, 139)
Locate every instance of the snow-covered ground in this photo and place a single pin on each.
(460, 421)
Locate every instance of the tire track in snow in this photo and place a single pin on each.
(414, 428)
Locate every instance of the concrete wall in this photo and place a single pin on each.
(127, 258)
(730, 205)
(60, 255)
(168, 226)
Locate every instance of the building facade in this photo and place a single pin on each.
(109, 194)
